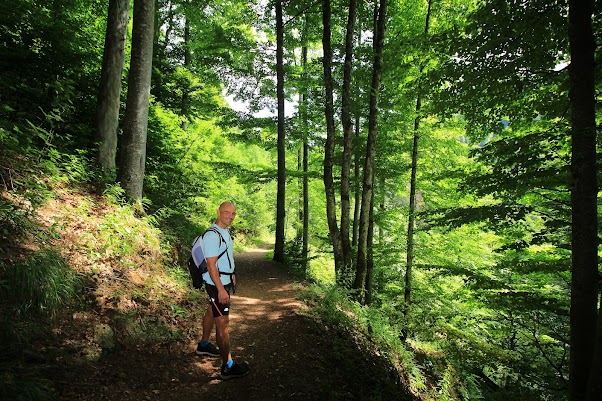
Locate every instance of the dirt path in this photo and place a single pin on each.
(283, 347)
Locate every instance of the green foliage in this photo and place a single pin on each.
(295, 260)
(31, 292)
(321, 268)
(185, 177)
(146, 331)
(512, 84)
(48, 67)
(14, 220)
(372, 332)
(40, 285)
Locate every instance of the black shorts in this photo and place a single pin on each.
(217, 308)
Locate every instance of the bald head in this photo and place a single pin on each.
(225, 214)
(227, 203)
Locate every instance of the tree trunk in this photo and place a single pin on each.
(299, 225)
(185, 109)
(109, 93)
(412, 207)
(594, 386)
(280, 196)
(357, 164)
(368, 182)
(356, 182)
(370, 256)
(305, 248)
(133, 155)
(347, 141)
(411, 220)
(331, 216)
(584, 373)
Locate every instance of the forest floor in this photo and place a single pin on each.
(290, 354)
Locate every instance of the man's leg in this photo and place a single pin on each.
(208, 321)
(204, 347)
(223, 337)
(229, 369)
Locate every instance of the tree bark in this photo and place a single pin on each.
(594, 386)
(412, 207)
(109, 93)
(411, 222)
(370, 256)
(305, 247)
(584, 365)
(331, 216)
(299, 225)
(280, 196)
(185, 109)
(347, 140)
(357, 163)
(356, 183)
(368, 182)
(133, 155)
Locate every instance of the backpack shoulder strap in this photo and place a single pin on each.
(225, 251)
(196, 240)
(221, 241)
(221, 238)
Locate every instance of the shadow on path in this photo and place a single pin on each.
(281, 345)
(290, 356)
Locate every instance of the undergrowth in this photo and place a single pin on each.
(417, 367)
(40, 285)
(74, 261)
(356, 327)
(31, 294)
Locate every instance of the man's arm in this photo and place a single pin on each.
(222, 294)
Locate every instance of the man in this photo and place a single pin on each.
(219, 281)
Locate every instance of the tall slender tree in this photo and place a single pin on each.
(329, 146)
(347, 138)
(413, 184)
(584, 381)
(185, 109)
(133, 152)
(357, 153)
(305, 157)
(368, 181)
(109, 93)
(357, 193)
(281, 192)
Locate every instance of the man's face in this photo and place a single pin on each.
(225, 215)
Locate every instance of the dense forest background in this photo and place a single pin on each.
(431, 165)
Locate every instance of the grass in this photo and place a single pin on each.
(32, 292)
(41, 284)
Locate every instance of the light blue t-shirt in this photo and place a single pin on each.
(212, 248)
